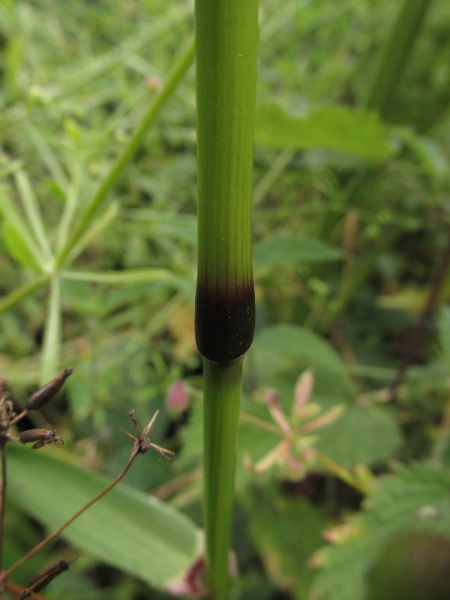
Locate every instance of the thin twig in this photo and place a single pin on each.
(20, 416)
(16, 589)
(260, 423)
(2, 503)
(58, 531)
(141, 445)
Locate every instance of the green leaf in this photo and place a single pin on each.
(126, 529)
(362, 434)
(292, 248)
(18, 237)
(33, 213)
(18, 248)
(286, 532)
(334, 128)
(417, 497)
(286, 347)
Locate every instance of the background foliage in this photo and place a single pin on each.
(351, 246)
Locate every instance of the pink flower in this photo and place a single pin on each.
(177, 398)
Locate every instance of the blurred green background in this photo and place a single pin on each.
(351, 255)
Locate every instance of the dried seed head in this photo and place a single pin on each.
(3, 382)
(46, 393)
(42, 578)
(141, 442)
(6, 412)
(40, 437)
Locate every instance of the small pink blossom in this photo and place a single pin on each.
(177, 398)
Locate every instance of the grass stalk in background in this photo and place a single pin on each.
(222, 394)
(227, 38)
(127, 154)
(395, 55)
(393, 59)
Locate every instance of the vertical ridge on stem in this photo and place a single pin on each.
(226, 42)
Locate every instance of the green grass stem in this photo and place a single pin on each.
(222, 394)
(395, 55)
(227, 39)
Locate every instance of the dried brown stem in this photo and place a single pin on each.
(15, 589)
(20, 416)
(141, 445)
(64, 526)
(2, 503)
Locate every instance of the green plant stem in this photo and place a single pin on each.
(22, 292)
(395, 54)
(129, 151)
(227, 39)
(52, 335)
(222, 393)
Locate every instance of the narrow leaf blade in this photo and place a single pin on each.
(126, 528)
(33, 212)
(18, 247)
(19, 234)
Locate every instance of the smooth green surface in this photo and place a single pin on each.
(126, 529)
(227, 37)
(222, 395)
